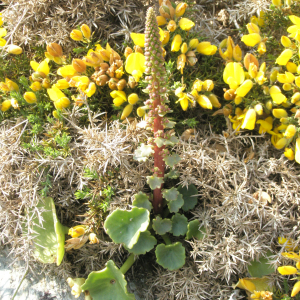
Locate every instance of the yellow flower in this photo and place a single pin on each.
(133, 98)
(3, 33)
(204, 102)
(126, 111)
(184, 101)
(62, 84)
(78, 65)
(36, 86)
(13, 49)
(251, 39)
(206, 48)
(54, 49)
(181, 60)
(166, 37)
(207, 85)
(86, 31)
(193, 43)
(5, 105)
(138, 39)
(42, 69)
(290, 131)
(140, 111)
(244, 88)
(135, 65)
(279, 113)
(291, 67)
(284, 57)
(58, 97)
(285, 41)
(66, 71)
(276, 95)
(296, 289)
(289, 153)
(237, 53)
(180, 9)
(171, 26)
(91, 89)
(186, 24)
(176, 43)
(214, 100)
(287, 77)
(233, 75)
(276, 3)
(261, 49)
(249, 120)
(77, 231)
(76, 35)
(297, 151)
(161, 20)
(265, 125)
(30, 97)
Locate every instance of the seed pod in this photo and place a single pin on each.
(13, 49)
(110, 72)
(102, 80)
(54, 49)
(112, 83)
(229, 94)
(138, 49)
(121, 84)
(78, 65)
(104, 66)
(131, 82)
(127, 51)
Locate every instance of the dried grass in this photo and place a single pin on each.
(239, 226)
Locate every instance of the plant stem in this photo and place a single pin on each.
(166, 239)
(127, 264)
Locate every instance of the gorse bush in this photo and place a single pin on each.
(165, 70)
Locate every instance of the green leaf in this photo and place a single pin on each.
(143, 152)
(159, 142)
(125, 226)
(194, 231)
(261, 267)
(49, 243)
(170, 194)
(260, 284)
(172, 160)
(175, 205)
(173, 174)
(174, 139)
(145, 243)
(179, 224)
(170, 124)
(142, 200)
(161, 226)
(107, 284)
(189, 196)
(171, 257)
(155, 182)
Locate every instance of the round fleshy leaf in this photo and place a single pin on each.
(159, 142)
(145, 243)
(175, 205)
(125, 226)
(173, 174)
(155, 182)
(171, 257)
(261, 267)
(107, 284)
(194, 231)
(142, 200)
(172, 160)
(189, 196)
(162, 226)
(49, 243)
(170, 194)
(179, 224)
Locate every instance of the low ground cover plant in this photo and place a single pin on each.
(166, 71)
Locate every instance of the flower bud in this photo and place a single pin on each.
(14, 103)
(176, 43)
(285, 41)
(161, 20)
(13, 49)
(207, 85)
(138, 49)
(229, 94)
(78, 65)
(54, 49)
(193, 43)
(121, 84)
(76, 35)
(295, 97)
(290, 131)
(214, 100)
(259, 109)
(5, 105)
(118, 101)
(46, 83)
(171, 26)
(180, 9)
(36, 86)
(93, 238)
(287, 87)
(250, 58)
(127, 51)
(289, 154)
(63, 102)
(279, 113)
(140, 112)
(191, 58)
(112, 83)
(126, 111)
(184, 48)
(30, 97)
(133, 98)
(238, 100)
(249, 120)
(86, 31)
(237, 53)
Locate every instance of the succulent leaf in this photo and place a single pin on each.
(261, 267)
(173, 174)
(162, 226)
(171, 257)
(107, 284)
(175, 205)
(170, 194)
(179, 224)
(154, 182)
(172, 160)
(125, 226)
(189, 195)
(142, 200)
(145, 243)
(194, 231)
